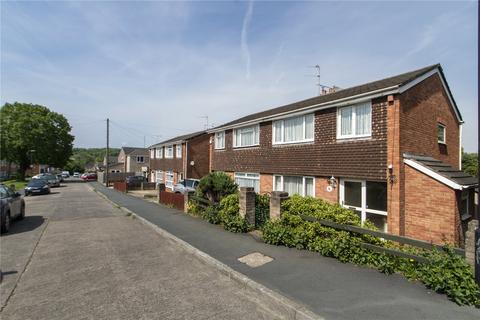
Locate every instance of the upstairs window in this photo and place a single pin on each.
(246, 136)
(354, 121)
(152, 153)
(220, 140)
(441, 131)
(178, 148)
(140, 159)
(292, 130)
(159, 153)
(169, 152)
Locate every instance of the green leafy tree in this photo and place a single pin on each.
(32, 133)
(215, 186)
(470, 163)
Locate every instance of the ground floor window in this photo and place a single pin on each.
(303, 186)
(169, 180)
(367, 198)
(244, 179)
(158, 176)
(465, 205)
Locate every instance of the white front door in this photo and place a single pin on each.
(367, 198)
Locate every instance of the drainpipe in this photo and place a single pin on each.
(460, 146)
(185, 162)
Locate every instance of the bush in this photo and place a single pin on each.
(215, 186)
(229, 214)
(212, 215)
(194, 209)
(444, 272)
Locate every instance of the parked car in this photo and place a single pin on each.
(51, 179)
(186, 185)
(60, 177)
(92, 176)
(37, 186)
(135, 179)
(12, 206)
(76, 175)
(65, 174)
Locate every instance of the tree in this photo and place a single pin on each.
(32, 133)
(470, 163)
(215, 186)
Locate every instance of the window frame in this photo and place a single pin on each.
(304, 129)
(444, 127)
(159, 153)
(354, 121)
(244, 175)
(363, 209)
(215, 140)
(276, 176)
(157, 174)
(152, 153)
(167, 152)
(142, 157)
(167, 181)
(178, 147)
(257, 126)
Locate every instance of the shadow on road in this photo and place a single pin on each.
(29, 223)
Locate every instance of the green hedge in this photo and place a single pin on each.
(444, 272)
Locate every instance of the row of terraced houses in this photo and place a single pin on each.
(388, 149)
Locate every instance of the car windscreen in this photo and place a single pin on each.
(37, 183)
(3, 192)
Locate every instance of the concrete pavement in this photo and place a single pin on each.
(75, 256)
(330, 288)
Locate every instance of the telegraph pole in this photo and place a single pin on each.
(108, 153)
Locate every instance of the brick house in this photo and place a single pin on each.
(377, 148)
(131, 159)
(181, 157)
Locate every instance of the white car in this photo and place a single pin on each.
(65, 174)
(76, 175)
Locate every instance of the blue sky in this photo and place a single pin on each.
(156, 69)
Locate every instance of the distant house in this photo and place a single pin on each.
(388, 149)
(131, 159)
(178, 158)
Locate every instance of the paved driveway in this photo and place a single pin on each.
(75, 256)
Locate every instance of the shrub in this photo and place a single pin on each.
(229, 214)
(194, 209)
(212, 215)
(444, 271)
(215, 186)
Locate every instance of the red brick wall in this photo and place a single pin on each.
(321, 184)
(422, 107)
(198, 151)
(430, 209)
(326, 156)
(266, 183)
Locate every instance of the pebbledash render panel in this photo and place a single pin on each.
(348, 147)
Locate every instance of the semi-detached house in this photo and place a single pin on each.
(179, 158)
(388, 149)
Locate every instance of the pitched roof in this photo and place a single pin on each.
(179, 138)
(444, 170)
(129, 150)
(366, 88)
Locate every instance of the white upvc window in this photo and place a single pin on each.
(152, 153)
(220, 140)
(441, 133)
(367, 198)
(244, 179)
(169, 180)
(294, 130)
(169, 151)
(304, 186)
(158, 176)
(159, 153)
(178, 149)
(246, 136)
(354, 121)
(140, 159)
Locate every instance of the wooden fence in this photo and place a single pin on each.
(120, 186)
(141, 186)
(399, 239)
(177, 200)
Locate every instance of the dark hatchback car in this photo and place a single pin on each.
(12, 206)
(37, 186)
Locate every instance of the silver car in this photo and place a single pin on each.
(51, 179)
(185, 186)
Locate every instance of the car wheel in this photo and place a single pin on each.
(22, 212)
(6, 223)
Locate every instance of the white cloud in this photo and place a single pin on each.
(244, 38)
